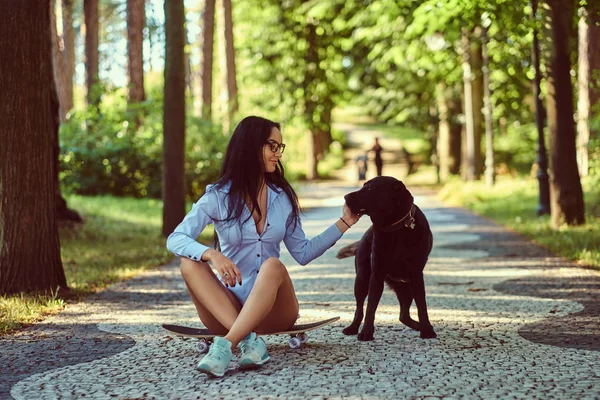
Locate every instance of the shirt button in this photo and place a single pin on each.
(258, 255)
(260, 240)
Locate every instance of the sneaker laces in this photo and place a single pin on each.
(218, 352)
(246, 345)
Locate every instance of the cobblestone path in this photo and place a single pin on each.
(512, 322)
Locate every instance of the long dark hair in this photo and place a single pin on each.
(243, 167)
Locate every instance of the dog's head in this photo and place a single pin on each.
(384, 199)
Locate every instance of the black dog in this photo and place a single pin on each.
(394, 250)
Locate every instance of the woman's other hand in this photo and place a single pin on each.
(228, 271)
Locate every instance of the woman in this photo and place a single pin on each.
(253, 209)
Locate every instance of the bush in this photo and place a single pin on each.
(517, 148)
(108, 151)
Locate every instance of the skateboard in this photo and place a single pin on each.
(298, 333)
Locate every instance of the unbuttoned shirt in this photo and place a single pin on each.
(241, 243)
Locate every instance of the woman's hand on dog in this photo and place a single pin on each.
(349, 217)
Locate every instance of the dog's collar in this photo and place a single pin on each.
(408, 221)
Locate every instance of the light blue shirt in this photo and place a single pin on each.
(245, 247)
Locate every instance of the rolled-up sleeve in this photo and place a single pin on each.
(182, 242)
(304, 250)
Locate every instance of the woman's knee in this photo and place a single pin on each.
(273, 266)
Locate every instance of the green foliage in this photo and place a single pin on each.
(116, 155)
(517, 149)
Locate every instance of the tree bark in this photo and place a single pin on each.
(207, 58)
(478, 99)
(136, 21)
(174, 117)
(310, 105)
(29, 243)
(232, 89)
(588, 77)
(68, 52)
(443, 137)
(90, 11)
(490, 175)
(58, 66)
(566, 195)
(470, 170)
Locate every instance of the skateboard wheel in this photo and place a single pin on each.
(294, 343)
(203, 347)
(303, 337)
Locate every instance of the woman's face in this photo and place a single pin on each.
(271, 158)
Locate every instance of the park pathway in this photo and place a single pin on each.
(512, 322)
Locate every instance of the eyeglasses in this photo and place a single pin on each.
(275, 147)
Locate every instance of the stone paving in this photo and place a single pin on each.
(512, 322)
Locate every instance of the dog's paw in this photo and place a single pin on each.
(411, 323)
(428, 333)
(350, 330)
(365, 335)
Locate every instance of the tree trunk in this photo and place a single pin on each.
(470, 170)
(136, 21)
(58, 63)
(566, 195)
(588, 79)
(490, 175)
(443, 138)
(232, 89)
(314, 150)
(207, 58)
(174, 117)
(29, 244)
(68, 52)
(478, 101)
(90, 11)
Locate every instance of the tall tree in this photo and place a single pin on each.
(173, 188)
(588, 79)
(136, 21)
(90, 11)
(68, 52)
(207, 57)
(478, 97)
(232, 89)
(60, 74)
(63, 83)
(566, 194)
(29, 244)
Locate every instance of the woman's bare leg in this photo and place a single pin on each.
(217, 307)
(272, 305)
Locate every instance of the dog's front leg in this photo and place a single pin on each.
(361, 290)
(418, 288)
(376, 284)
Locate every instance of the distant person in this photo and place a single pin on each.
(378, 160)
(362, 163)
(253, 209)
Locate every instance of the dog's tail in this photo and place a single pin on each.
(348, 251)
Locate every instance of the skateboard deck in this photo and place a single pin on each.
(297, 332)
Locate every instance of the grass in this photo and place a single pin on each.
(119, 239)
(512, 202)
